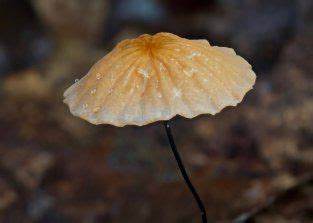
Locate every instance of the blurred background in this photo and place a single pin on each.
(251, 163)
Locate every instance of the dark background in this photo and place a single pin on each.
(252, 162)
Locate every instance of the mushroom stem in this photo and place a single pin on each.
(183, 171)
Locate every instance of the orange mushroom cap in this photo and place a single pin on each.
(152, 78)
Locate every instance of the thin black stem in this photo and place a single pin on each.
(184, 173)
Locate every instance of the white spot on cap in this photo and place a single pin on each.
(193, 55)
(144, 73)
(93, 91)
(161, 66)
(177, 93)
(98, 76)
(96, 109)
(189, 73)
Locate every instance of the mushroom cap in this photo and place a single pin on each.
(152, 78)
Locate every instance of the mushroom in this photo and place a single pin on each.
(156, 77)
